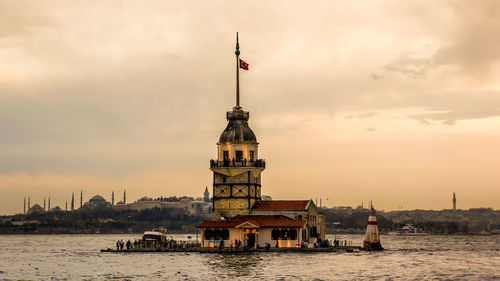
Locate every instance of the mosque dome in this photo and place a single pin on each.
(35, 209)
(237, 129)
(95, 203)
(97, 198)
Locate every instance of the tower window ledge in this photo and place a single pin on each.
(259, 163)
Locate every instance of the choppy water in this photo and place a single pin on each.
(77, 257)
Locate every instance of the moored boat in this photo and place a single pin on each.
(157, 234)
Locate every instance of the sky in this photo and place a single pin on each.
(392, 101)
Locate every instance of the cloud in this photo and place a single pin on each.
(361, 115)
(470, 45)
(407, 64)
(22, 18)
(450, 118)
(105, 90)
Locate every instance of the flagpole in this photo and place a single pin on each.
(237, 52)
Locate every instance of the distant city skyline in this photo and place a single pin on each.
(386, 101)
(318, 201)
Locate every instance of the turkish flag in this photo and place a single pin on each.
(243, 65)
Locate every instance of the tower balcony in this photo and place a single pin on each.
(237, 114)
(231, 163)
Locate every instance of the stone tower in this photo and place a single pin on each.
(206, 195)
(454, 202)
(237, 169)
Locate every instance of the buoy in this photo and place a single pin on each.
(372, 239)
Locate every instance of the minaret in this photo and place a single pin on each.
(81, 198)
(29, 202)
(237, 169)
(206, 195)
(44, 204)
(49, 205)
(66, 209)
(72, 201)
(454, 202)
(24, 210)
(112, 198)
(124, 197)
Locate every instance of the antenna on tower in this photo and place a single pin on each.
(237, 53)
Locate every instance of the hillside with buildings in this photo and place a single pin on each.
(448, 221)
(184, 214)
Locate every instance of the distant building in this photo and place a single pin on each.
(141, 204)
(95, 203)
(36, 209)
(56, 209)
(454, 202)
(295, 209)
(206, 195)
(198, 207)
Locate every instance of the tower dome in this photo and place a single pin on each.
(237, 129)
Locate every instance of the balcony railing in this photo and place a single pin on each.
(231, 163)
(237, 115)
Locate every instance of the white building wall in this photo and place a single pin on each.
(263, 237)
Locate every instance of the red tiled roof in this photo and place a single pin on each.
(259, 221)
(281, 205)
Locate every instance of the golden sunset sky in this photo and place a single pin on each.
(392, 101)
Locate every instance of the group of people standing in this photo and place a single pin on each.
(120, 244)
(237, 244)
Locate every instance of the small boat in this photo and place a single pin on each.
(410, 230)
(157, 234)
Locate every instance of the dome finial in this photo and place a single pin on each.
(237, 52)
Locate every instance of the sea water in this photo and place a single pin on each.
(78, 257)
